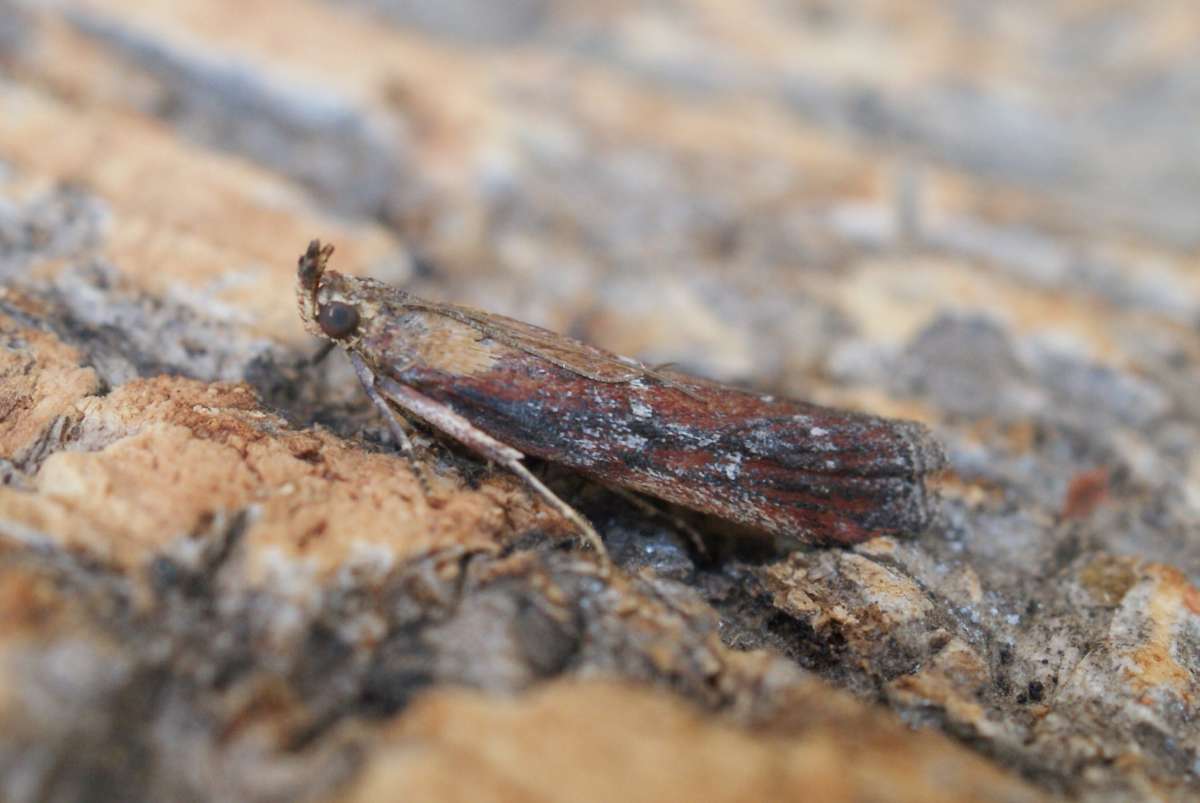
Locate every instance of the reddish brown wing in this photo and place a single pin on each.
(786, 467)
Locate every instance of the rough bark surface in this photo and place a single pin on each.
(218, 580)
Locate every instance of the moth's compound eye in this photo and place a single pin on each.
(337, 319)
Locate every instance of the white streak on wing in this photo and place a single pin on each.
(633, 441)
(640, 409)
(733, 467)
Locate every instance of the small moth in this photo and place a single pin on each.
(506, 389)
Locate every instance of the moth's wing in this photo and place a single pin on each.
(565, 352)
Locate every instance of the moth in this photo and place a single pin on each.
(507, 389)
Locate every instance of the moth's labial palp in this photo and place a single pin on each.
(337, 319)
(312, 264)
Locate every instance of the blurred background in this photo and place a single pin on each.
(979, 215)
(750, 189)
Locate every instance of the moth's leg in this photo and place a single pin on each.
(303, 365)
(367, 378)
(451, 423)
(320, 354)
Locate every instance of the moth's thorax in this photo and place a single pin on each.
(395, 330)
(421, 337)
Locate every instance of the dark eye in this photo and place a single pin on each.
(337, 319)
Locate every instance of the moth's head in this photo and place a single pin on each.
(329, 302)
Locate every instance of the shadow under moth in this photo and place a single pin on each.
(506, 389)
